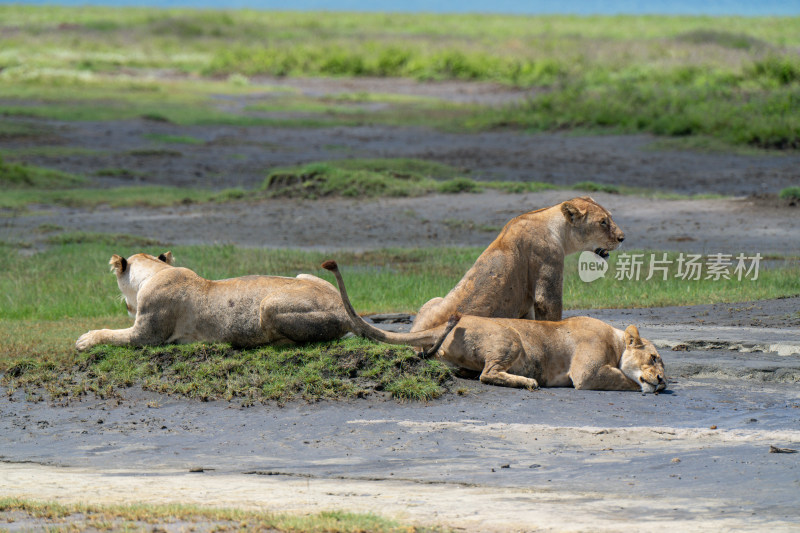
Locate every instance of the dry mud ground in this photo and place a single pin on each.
(694, 458)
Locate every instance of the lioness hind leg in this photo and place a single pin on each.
(494, 371)
(299, 319)
(504, 379)
(427, 316)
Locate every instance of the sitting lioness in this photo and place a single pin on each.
(581, 351)
(175, 305)
(520, 274)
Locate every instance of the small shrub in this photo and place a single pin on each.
(790, 193)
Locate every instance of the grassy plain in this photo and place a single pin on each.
(734, 79)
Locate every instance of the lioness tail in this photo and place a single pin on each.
(431, 337)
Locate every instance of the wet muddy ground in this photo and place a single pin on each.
(489, 459)
(696, 457)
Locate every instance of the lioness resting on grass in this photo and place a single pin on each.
(175, 305)
(520, 274)
(580, 351)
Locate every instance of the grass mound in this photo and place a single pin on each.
(351, 368)
(367, 178)
(16, 175)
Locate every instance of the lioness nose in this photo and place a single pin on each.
(621, 238)
(660, 379)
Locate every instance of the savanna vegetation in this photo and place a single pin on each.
(733, 79)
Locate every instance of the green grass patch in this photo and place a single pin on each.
(351, 368)
(21, 176)
(590, 186)
(143, 196)
(381, 177)
(137, 517)
(371, 177)
(791, 193)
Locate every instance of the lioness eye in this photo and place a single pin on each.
(604, 223)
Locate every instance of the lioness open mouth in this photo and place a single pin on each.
(602, 252)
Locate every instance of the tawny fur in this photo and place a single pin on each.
(175, 305)
(520, 274)
(581, 351)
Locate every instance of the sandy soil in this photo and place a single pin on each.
(695, 458)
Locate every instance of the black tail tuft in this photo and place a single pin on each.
(330, 264)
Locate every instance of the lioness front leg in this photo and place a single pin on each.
(148, 329)
(117, 337)
(547, 297)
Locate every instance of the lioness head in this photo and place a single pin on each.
(592, 226)
(133, 271)
(641, 362)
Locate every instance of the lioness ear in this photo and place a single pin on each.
(632, 337)
(571, 212)
(167, 258)
(118, 264)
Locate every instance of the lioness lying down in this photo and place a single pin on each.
(520, 274)
(175, 305)
(581, 351)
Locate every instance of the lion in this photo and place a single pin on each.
(582, 352)
(520, 274)
(175, 305)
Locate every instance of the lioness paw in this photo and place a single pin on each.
(86, 341)
(533, 385)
